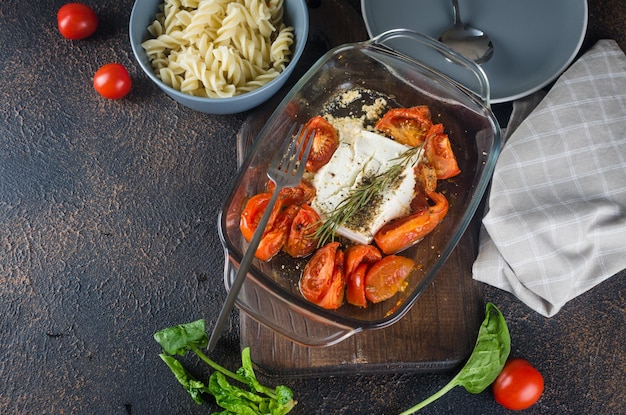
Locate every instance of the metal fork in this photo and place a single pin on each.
(285, 170)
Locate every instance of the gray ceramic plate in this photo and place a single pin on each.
(534, 40)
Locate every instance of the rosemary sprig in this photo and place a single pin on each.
(360, 196)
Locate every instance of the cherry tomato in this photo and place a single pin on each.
(333, 299)
(355, 289)
(301, 240)
(402, 233)
(406, 125)
(438, 150)
(519, 385)
(77, 21)
(276, 233)
(317, 276)
(302, 193)
(385, 277)
(112, 81)
(358, 254)
(325, 142)
(252, 213)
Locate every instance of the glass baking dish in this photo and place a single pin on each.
(457, 93)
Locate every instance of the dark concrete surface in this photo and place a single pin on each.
(108, 214)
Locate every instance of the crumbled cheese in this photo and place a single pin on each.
(349, 96)
(374, 111)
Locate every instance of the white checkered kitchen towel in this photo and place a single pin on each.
(555, 224)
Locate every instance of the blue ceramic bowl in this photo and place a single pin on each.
(144, 13)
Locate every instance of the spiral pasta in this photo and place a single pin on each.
(219, 48)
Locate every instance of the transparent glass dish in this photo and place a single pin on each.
(375, 69)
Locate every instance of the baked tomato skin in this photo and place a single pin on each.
(385, 277)
(438, 151)
(317, 276)
(276, 233)
(325, 142)
(406, 125)
(402, 233)
(336, 292)
(301, 241)
(302, 193)
(76, 21)
(519, 385)
(112, 81)
(358, 254)
(252, 213)
(355, 286)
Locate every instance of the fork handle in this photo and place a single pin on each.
(242, 272)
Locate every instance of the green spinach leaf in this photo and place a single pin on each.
(194, 387)
(258, 400)
(492, 348)
(178, 339)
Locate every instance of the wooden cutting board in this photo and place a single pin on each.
(440, 330)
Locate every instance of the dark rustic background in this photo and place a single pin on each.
(108, 214)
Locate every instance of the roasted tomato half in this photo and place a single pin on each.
(407, 126)
(355, 288)
(301, 241)
(325, 142)
(358, 259)
(276, 233)
(357, 254)
(302, 193)
(385, 277)
(322, 280)
(252, 213)
(335, 295)
(402, 233)
(438, 151)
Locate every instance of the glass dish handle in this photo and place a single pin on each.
(434, 55)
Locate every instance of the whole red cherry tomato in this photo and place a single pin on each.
(77, 21)
(112, 81)
(518, 386)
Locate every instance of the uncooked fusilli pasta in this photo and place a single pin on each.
(219, 48)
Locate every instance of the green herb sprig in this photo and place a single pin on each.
(258, 399)
(361, 196)
(492, 348)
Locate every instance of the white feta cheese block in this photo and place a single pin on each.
(360, 156)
